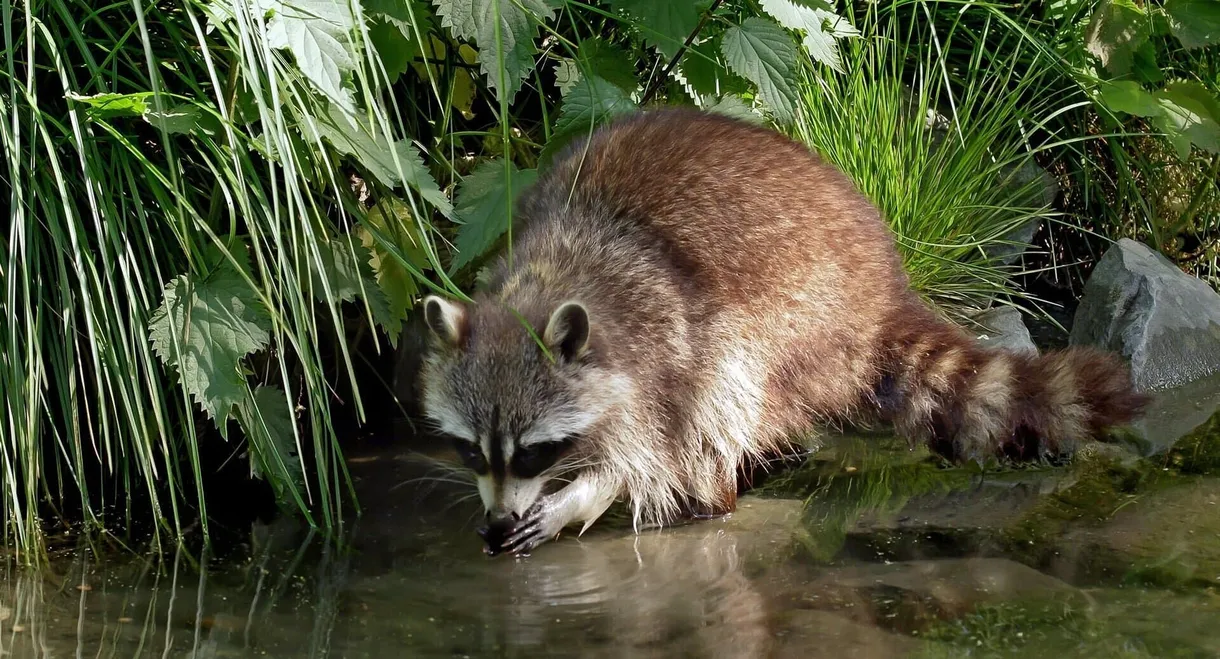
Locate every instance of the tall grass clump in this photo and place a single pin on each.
(939, 123)
(183, 237)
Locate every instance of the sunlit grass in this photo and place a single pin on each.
(934, 124)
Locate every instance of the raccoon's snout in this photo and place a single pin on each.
(497, 530)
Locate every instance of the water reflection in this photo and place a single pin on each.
(681, 591)
(891, 556)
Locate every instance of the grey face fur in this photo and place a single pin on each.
(516, 416)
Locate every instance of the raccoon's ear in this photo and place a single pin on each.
(568, 330)
(446, 320)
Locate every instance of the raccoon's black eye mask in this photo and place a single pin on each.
(534, 459)
(471, 456)
(527, 462)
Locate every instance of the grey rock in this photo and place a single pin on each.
(1036, 188)
(1004, 329)
(1174, 413)
(1164, 321)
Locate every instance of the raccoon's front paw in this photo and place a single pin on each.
(541, 523)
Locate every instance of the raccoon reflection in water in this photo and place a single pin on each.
(676, 356)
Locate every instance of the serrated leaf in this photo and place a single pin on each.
(567, 72)
(484, 205)
(1195, 23)
(664, 24)
(105, 106)
(404, 14)
(820, 29)
(760, 51)
(267, 419)
(600, 58)
(513, 47)
(203, 330)
(346, 267)
(1115, 31)
(393, 219)
(358, 138)
(591, 102)
(318, 34)
(1191, 116)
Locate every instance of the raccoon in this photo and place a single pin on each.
(686, 293)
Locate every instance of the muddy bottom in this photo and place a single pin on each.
(868, 550)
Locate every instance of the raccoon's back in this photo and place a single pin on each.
(739, 207)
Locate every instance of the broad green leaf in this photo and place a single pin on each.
(819, 42)
(703, 72)
(735, 107)
(393, 218)
(760, 51)
(1116, 29)
(404, 14)
(180, 119)
(395, 49)
(1064, 10)
(567, 72)
(504, 30)
(104, 106)
(664, 24)
(318, 33)
(598, 57)
(369, 145)
(591, 101)
(1196, 23)
(203, 330)
(483, 205)
(1129, 97)
(1191, 116)
(1144, 65)
(346, 266)
(270, 427)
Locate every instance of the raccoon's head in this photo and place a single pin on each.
(520, 419)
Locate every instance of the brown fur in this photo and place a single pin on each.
(745, 289)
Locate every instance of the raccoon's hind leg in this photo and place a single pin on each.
(585, 499)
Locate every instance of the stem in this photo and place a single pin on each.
(655, 84)
(1197, 195)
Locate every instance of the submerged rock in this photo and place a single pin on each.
(1164, 321)
(1167, 536)
(1004, 329)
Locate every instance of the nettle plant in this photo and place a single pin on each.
(1156, 61)
(284, 157)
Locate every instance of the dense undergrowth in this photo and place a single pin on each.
(223, 211)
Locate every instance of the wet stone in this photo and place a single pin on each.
(1004, 329)
(1166, 322)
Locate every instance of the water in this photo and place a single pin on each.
(1115, 555)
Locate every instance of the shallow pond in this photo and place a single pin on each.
(869, 550)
